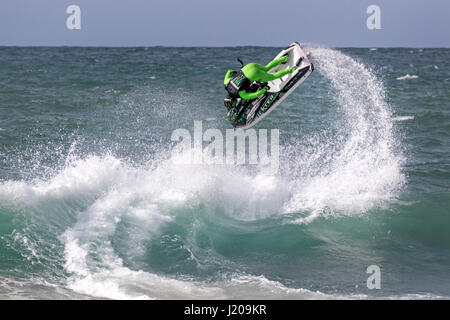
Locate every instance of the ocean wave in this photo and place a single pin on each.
(102, 213)
(358, 166)
(407, 76)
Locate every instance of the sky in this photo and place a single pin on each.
(334, 23)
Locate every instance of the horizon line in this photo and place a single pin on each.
(198, 46)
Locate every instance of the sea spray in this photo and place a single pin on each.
(362, 166)
(115, 217)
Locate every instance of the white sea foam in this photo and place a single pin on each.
(403, 118)
(149, 195)
(357, 168)
(78, 177)
(407, 76)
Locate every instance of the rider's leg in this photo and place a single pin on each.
(272, 64)
(256, 72)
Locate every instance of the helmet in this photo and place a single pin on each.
(231, 74)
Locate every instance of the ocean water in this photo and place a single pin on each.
(93, 205)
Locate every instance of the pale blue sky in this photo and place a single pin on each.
(336, 23)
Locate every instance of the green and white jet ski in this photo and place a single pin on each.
(246, 113)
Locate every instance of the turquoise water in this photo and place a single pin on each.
(92, 204)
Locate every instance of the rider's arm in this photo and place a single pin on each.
(227, 77)
(252, 95)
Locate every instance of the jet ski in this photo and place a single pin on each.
(246, 113)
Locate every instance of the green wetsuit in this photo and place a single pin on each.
(257, 72)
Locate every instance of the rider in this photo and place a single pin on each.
(237, 83)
